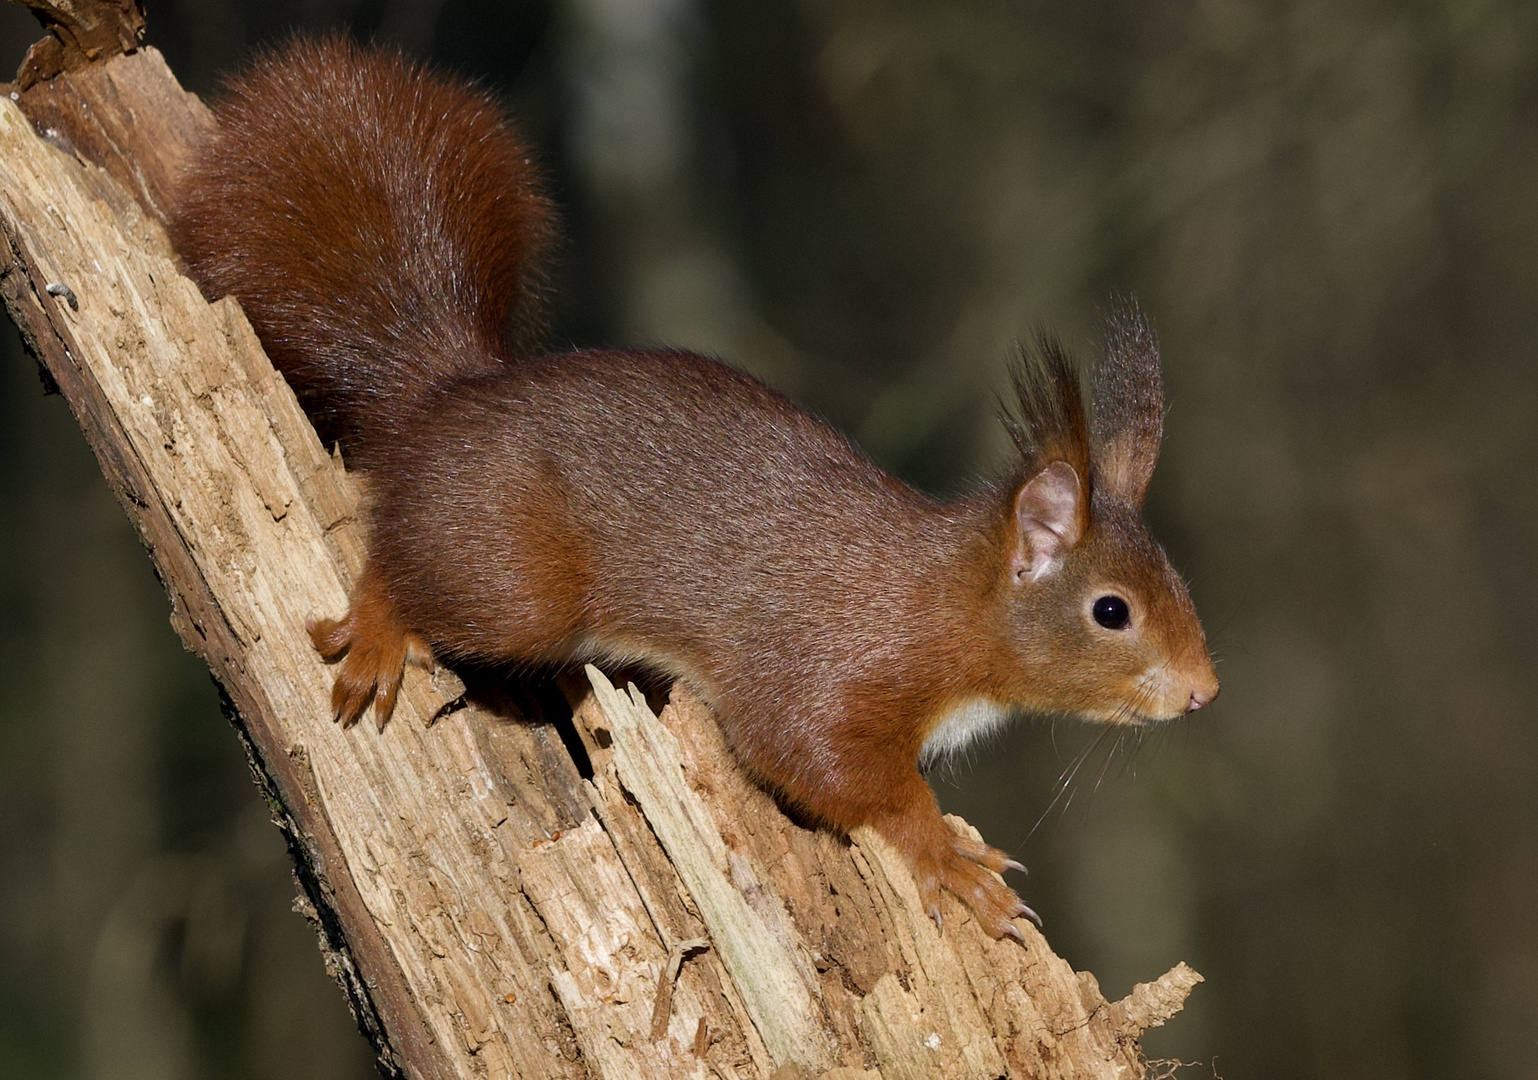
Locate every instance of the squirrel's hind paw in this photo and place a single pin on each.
(372, 648)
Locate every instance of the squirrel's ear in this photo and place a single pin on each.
(1128, 414)
(1049, 519)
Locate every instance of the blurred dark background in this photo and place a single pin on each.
(1330, 210)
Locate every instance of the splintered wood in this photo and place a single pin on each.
(488, 911)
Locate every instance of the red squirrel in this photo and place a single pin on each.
(384, 229)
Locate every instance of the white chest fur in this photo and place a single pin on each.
(966, 722)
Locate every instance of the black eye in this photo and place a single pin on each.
(1111, 612)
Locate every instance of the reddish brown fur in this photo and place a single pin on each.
(383, 228)
(656, 504)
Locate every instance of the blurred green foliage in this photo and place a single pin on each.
(1329, 210)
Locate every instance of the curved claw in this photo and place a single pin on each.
(385, 693)
(1012, 864)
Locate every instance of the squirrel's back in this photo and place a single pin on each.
(382, 226)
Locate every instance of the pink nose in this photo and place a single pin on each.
(1198, 699)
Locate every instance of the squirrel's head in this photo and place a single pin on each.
(1101, 624)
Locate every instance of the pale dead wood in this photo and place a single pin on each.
(488, 911)
(757, 943)
(895, 991)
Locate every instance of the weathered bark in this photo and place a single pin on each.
(487, 910)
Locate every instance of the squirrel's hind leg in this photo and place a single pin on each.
(373, 647)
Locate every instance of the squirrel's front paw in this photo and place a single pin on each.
(970, 870)
(373, 649)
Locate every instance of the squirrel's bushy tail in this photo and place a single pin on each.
(381, 224)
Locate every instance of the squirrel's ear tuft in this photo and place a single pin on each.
(1047, 420)
(1128, 407)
